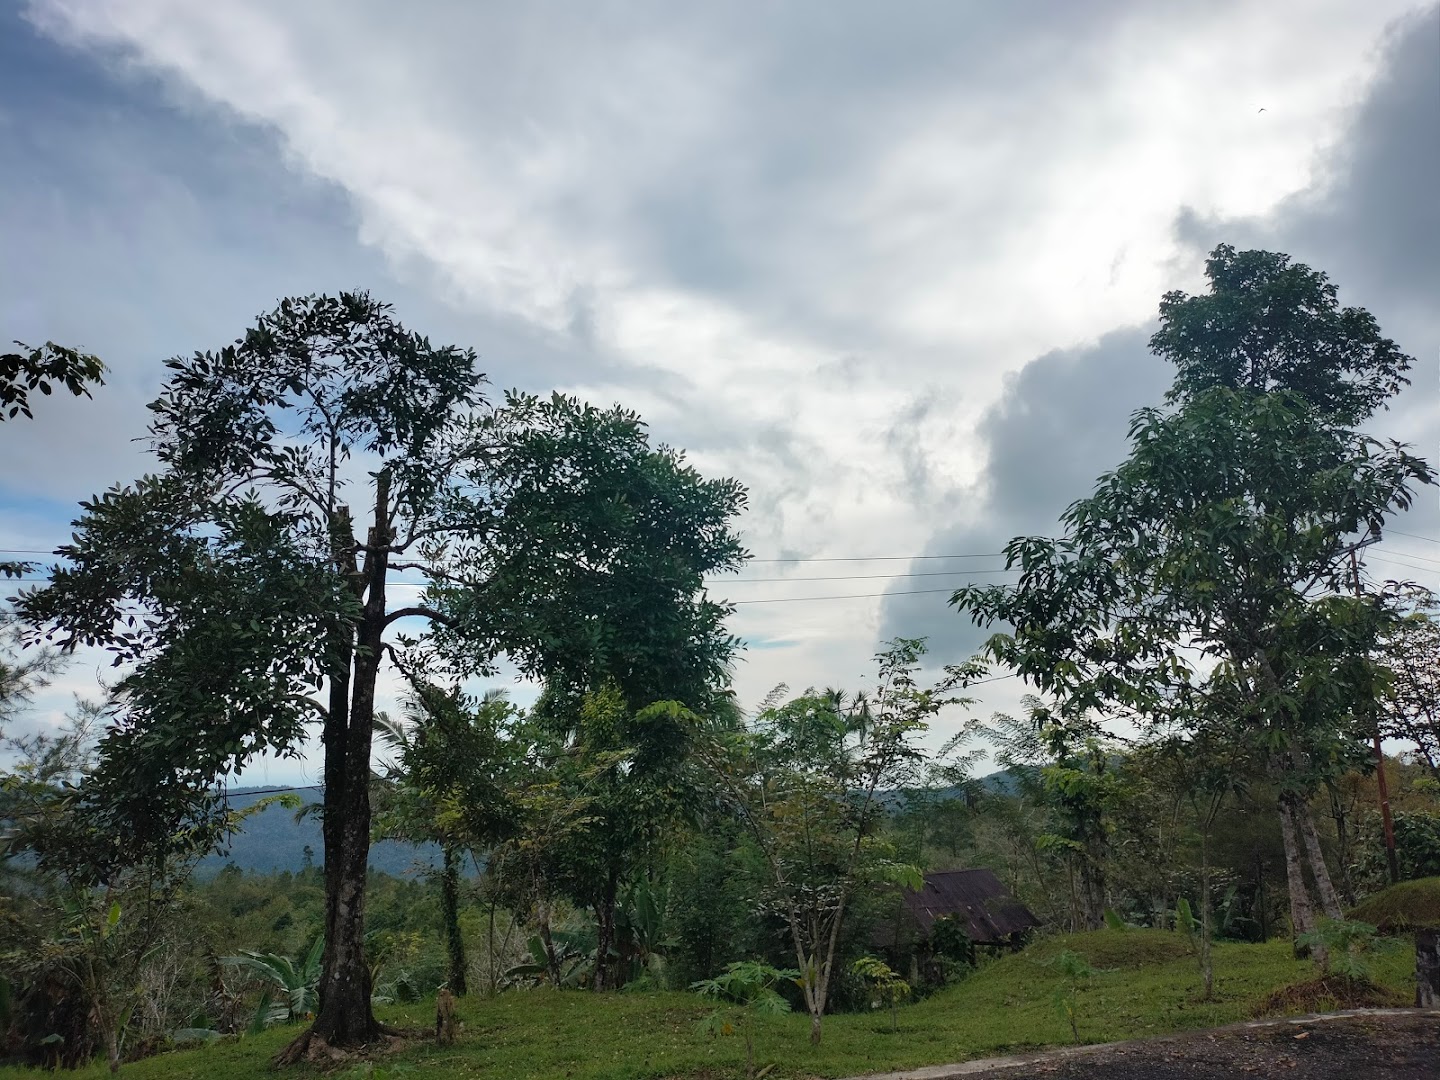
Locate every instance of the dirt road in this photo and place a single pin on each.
(1366, 1044)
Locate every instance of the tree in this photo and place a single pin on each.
(238, 586)
(450, 784)
(1205, 575)
(43, 369)
(633, 772)
(813, 779)
(40, 369)
(1205, 769)
(1067, 765)
(1411, 708)
(1267, 324)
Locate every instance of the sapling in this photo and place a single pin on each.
(748, 986)
(886, 986)
(1076, 971)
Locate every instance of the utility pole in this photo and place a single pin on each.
(1391, 859)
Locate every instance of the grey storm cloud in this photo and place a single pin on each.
(1371, 221)
(1060, 423)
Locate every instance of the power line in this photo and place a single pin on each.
(850, 596)
(1406, 565)
(1413, 536)
(1408, 555)
(882, 558)
(760, 580)
(859, 577)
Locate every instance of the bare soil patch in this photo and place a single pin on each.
(1392, 1044)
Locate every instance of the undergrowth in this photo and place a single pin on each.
(1145, 983)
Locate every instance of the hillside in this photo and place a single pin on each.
(273, 840)
(1149, 986)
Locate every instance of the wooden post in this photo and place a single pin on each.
(1391, 858)
(1427, 969)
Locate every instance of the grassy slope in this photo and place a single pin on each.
(1402, 907)
(1150, 988)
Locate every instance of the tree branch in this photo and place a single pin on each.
(421, 612)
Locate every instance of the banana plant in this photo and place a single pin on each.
(574, 959)
(296, 985)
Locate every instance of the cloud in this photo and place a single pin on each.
(1370, 220)
(809, 242)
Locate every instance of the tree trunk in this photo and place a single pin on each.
(1427, 969)
(1207, 966)
(1341, 817)
(605, 933)
(346, 1018)
(1329, 898)
(494, 972)
(542, 918)
(1302, 916)
(450, 912)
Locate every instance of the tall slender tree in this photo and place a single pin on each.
(1208, 571)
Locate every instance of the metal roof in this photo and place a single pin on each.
(974, 895)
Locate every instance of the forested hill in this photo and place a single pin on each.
(273, 840)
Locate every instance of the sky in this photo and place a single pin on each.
(893, 266)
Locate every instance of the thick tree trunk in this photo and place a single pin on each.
(1427, 969)
(1329, 898)
(1302, 916)
(450, 912)
(346, 1018)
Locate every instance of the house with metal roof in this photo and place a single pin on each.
(975, 899)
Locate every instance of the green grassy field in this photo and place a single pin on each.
(1150, 986)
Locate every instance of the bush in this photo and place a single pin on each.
(1402, 908)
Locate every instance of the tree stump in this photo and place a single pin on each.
(1427, 969)
(447, 1024)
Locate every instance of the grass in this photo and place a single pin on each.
(1150, 985)
(1406, 906)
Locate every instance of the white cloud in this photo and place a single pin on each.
(773, 231)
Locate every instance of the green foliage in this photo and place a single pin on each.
(1348, 945)
(949, 939)
(1185, 921)
(1417, 847)
(44, 368)
(887, 988)
(1076, 972)
(297, 983)
(1401, 908)
(1269, 325)
(749, 984)
(806, 779)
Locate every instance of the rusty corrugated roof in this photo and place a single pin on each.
(974, 895)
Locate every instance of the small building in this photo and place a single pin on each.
(974, 899)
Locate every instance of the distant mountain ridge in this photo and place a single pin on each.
(271, 840)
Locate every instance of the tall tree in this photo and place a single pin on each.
(248, 600)
(1207, 572)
